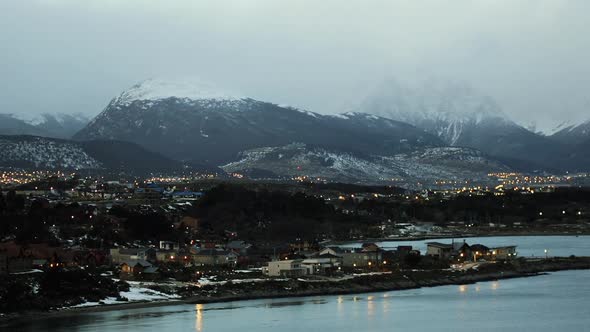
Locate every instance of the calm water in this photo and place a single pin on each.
(556, 302)
(526, 245)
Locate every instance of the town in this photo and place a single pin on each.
(162, 238)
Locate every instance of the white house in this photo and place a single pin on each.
(286, 268)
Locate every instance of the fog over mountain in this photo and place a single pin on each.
(73, 56)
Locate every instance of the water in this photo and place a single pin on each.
(527, 246)
(559, 301)
(556, 302)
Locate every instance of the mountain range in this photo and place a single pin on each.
(422, 133)
(58, 125)
(461, 117)
(215, 128)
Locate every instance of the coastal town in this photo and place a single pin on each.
(75, 242)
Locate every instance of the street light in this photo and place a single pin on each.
(546, 253)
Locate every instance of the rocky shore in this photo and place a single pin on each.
(398, 280)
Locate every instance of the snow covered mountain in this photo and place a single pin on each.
(577, 140)
(462, 117)
(62, 125)
(58, 125)
(187, 121)
(422, 165)
(48, 153)
(11, 125)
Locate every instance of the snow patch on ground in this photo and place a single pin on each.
(136, 293)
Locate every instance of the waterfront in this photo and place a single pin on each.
(557, 301)
(527, 246)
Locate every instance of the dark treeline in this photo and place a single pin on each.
(477, 209)
(264, 215)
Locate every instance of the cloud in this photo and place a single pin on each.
(67, 55)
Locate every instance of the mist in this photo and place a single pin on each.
(74, 56)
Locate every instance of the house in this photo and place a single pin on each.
(322, 265)
(480, 251)
(18, 258)
(169, 245)
(370, 247)
(448, 251)
(335, 251)
(214, 257)
(286, 268)
(334, 259)
(462, 250)
(504, 253)
(303, 246)
(361, 259)
(399, 254)
(166, 256)
(91, 258)
(138, 269)
(120, 255)
(439, 250)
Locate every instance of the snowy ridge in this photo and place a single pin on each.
(573, 133)
(45, 153)
(306, 112)
(349, 115)
(564, 126)
(157, 89)
(427, 164)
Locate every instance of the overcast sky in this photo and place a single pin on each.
(74, 56)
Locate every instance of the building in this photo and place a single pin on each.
(322, 265)
(362, 259)
(480, 251)
(504, 253)
(239, 247)
(286, 268)
(439, 250)
(214, 257)
(335, 251)
(368, 256)
(167, 256)
(120, 255)
(448, 250)
(138, 269)
(169, 245)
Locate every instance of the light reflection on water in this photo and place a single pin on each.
(545, 303)
(199, 318)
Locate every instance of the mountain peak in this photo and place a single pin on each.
(443, 108)
(184, 88)
(437, 99)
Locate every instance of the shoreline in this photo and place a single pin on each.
(401, 280)
(453, 236)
